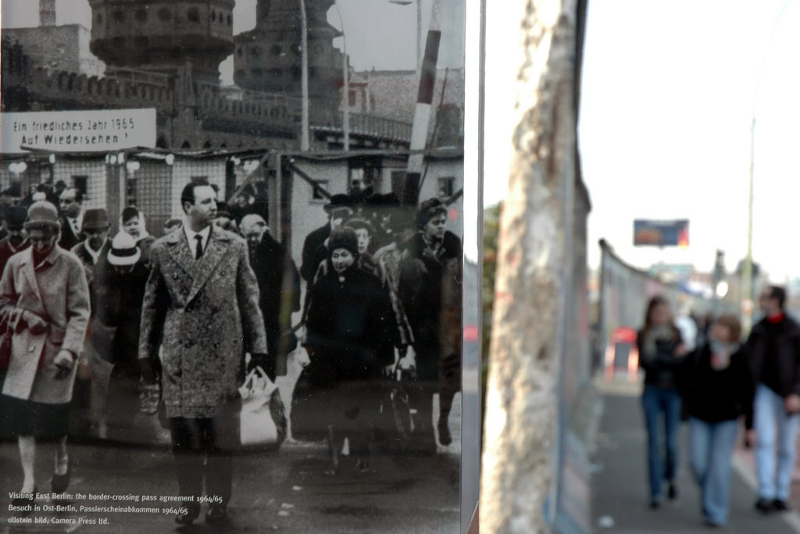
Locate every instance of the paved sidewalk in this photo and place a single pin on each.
(619, 484)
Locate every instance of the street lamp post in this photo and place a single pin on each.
(304, 139)
(346, 75)
(419, 26)
(747, 271)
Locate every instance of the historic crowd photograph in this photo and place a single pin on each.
(232, 268)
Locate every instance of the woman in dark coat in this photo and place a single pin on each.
(430, 291)
(717, 390)
(661, 350)
(350, 340)
(120, 285)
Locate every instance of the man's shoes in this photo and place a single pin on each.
(188, 513)
(672, 492)
(711, 524)
(655, 504)
(216, 514)
(764, 506)
(779, 505)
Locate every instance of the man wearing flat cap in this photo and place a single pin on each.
(15, 240)
(96, 243)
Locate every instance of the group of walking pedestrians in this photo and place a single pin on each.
(176, 323)
(723, 382)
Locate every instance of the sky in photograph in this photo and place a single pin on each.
(379, 34)
(667, 101)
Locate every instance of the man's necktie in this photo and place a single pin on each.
(199, 249)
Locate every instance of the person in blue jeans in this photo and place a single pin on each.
(717, 390)
(773, 350)
(660, 354)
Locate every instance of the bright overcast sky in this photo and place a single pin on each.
(380, 34)
(668, 90)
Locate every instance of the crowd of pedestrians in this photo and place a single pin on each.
(174, 324)
(725, 387)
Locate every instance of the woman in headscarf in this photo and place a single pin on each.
(349, 340)
(132, 223)
(44, 301)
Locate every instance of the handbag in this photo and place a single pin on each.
(262, 419)
(396, 421)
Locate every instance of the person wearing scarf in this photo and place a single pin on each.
(660, 352)
(132, 222)
(717, 390)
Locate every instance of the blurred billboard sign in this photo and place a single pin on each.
(661, 233)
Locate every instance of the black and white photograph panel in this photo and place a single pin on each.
(232, 267)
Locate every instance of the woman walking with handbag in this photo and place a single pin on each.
(45, 299)
(349, 339)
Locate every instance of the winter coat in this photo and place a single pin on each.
(119, 299)
(204, 314)
(430, 291)
(716, 395)
(7, 250)
(349, 325)
(311, 259)
(57, 292)
(785, 349)
(279, 288)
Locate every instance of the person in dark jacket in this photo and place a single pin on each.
(278, 285)
(430, 291)
(773, 349)
(349, 339)
(15, 241)
(660, 355)
(120, 282)
(314, 251)
(717, 390)
(71, 203)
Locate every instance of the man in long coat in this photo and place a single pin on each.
(201, 307)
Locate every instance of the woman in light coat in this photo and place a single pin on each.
(44, 300)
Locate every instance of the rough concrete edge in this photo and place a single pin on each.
(792, 518)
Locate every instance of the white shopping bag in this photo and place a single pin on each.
(262, 411)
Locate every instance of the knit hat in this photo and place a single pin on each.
(343, 237)
(428, 210)
(123, 250)
(42, 213)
